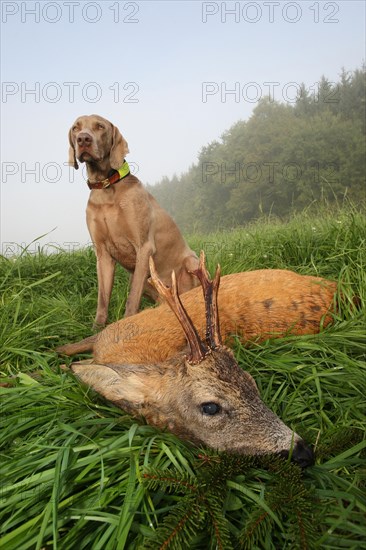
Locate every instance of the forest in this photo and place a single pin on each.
(286, 157)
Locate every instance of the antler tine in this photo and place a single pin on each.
(210, 291)
(197, 347)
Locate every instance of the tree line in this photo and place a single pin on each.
(283, 158)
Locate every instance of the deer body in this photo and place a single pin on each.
(256, 305)
(203, 396)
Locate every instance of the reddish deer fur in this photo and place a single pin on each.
(256, 305)
(202, 396)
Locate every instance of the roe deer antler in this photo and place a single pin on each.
(198, 350)
(210, 290)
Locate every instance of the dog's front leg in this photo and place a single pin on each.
(139, 278)
(105, 269)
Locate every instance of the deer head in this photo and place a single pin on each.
(202, 396)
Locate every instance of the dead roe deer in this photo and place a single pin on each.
(202, 396)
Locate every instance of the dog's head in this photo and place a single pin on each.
(93, 138)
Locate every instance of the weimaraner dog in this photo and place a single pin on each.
(125, 222)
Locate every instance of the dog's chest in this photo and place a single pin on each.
(121, 249)
(112, 231)
(123, 252)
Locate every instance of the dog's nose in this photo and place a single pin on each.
(83, 139)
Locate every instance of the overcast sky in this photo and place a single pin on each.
(172, 75)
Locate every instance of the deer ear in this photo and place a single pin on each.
(72, 155)
(117, 384)
(119, 148)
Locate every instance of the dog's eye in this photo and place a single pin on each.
(74, 128)
(210, 408)
(101, 127)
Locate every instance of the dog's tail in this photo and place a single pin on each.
(78, 347)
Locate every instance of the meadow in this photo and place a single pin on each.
(76, 472)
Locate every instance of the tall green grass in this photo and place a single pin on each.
(78, 473)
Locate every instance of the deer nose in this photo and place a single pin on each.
(303, 455)
(84, 139)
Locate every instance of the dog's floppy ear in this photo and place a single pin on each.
(72, 155)
(119, 148)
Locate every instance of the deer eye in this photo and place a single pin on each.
(210, 408)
